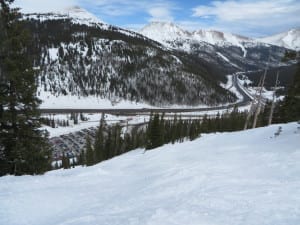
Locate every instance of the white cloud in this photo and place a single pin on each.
(242, 15)
(30, 6)
(114, 7)
(155, 8)
(152, 10)
(160, 14)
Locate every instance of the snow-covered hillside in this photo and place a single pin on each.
(289, 39)
(247, 178)
(114, 65)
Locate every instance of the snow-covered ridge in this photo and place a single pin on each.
(76, 14)
(289, 39)
(165, 32)
(173, 36)
(80, 16)
(218, 37)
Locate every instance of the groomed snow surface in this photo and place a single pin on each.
(240, 178)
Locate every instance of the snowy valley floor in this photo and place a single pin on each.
(245, 178)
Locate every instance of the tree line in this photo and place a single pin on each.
(113, 140)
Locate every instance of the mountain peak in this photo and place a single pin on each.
(76, 13)
(164, 32)
(289, 39)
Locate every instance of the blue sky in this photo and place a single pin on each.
(253, 18)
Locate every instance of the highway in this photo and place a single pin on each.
(247, 97)
(245, 101)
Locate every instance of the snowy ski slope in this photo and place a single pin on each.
(240, 178)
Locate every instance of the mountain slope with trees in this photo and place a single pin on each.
(109, 62)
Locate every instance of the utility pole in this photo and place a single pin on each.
(252, 106)
(273, 100)
(258, 108)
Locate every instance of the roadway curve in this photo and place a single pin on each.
(247, 97)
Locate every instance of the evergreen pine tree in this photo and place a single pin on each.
(234, 119)
(162, 129)
(89, 152)
(108, 145)
(99, 143)
(81, 158)
(154, 133)
(65, 162)
(204, 124)
(181, 129)
(117, 140)
(290, 108)
(56, 165)
(173, 128)
(23, 147)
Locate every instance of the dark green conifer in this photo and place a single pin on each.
(154, 133)
(99, 143)
(108, 145)
(23, 146)
(89, 152)
(290, 108)
(81, 158)
(65, 162)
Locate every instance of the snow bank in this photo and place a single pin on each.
(246, 178)
(50, 101)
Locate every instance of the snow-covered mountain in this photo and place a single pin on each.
(166, 33)
(249, 177)
(83, 57)
(227, 52)
(289, 39)
(77, 15)
(80, 13)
